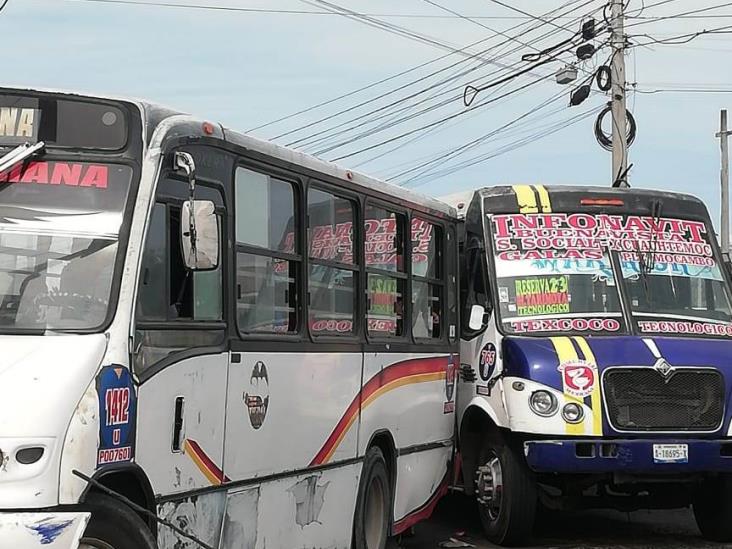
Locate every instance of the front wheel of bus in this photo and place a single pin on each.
(506, 493)
(113, 525)
(713, 508)
(371, 521)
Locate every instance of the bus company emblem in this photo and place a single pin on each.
(450, 373)
(487, 363)
(257, 397)
(665, 369)
(18, 125)
(579, 378)
(117, 409)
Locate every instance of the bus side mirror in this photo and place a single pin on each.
(477, 313)
(199, 229)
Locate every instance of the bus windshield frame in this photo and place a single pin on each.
(639, 274)
(65, 213)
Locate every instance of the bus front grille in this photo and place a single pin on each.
(642, 399)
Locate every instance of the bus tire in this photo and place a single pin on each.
(113, 525)
(373, 506)
(713, 508)
(506, 492)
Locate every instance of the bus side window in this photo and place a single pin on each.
(267, 258)
(428, 280)
(476, 290)
(169, 294)
(332, 276)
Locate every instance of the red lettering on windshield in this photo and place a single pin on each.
(59, 173)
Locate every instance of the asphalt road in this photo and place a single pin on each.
(456, 517)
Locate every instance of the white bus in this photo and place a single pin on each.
(212, 341)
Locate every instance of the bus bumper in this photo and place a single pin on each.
(39, 530)
(630, 456)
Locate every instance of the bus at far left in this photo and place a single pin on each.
(210, 341)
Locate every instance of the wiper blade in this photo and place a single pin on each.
(20, 153)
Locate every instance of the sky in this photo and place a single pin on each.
(246, 69)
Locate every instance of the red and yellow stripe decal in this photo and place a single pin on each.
(392, 377)
(204, 463)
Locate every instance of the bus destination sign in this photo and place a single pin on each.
(19, 125)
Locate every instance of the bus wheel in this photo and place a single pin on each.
(713, 508)
(113, 525)
(506, 493)
(371, 522)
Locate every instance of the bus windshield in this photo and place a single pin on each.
(675, 284)
(59, 229)
(563, 272)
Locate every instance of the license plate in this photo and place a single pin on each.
(671, 453)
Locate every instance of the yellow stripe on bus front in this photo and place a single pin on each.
(526, 199)
(567, 353)
(595, 397)
(546, 203)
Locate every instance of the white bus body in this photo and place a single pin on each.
(280, 398)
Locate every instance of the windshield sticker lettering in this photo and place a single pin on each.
(585, 236)
(19, 125)
(541, 296)
(566, 325)
(63, 174)
(684, 328)
(118, 414)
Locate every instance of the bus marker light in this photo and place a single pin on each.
(602, 202)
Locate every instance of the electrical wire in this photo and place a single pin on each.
(5, 3)
(364, 119)
(271, 11)
(513, 146)
(427, 126)
(443, 158)
(405, 86)
(527, 14)
(683, 38)
(677, 15)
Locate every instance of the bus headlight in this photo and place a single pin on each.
(543, 403)
(573, 413)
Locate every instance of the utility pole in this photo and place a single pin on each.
(619, 112)
(724, 179)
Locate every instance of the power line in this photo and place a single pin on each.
(270, 11)
(5, 3)
(678, 15)
(430, 125)
(307, 140)
(411, 83)
(683, 38)
(527, 14)
(513, 146)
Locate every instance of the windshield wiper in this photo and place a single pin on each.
(20, 153)
(647, 259)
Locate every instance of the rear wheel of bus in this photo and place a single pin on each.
(713, 508)
(506, 492)
(113, 525)
(373, 507)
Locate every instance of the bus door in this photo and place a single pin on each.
(480, 347)
(295, 373)
(181, 359)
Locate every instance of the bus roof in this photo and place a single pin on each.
(570, 198)
(155, 114)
